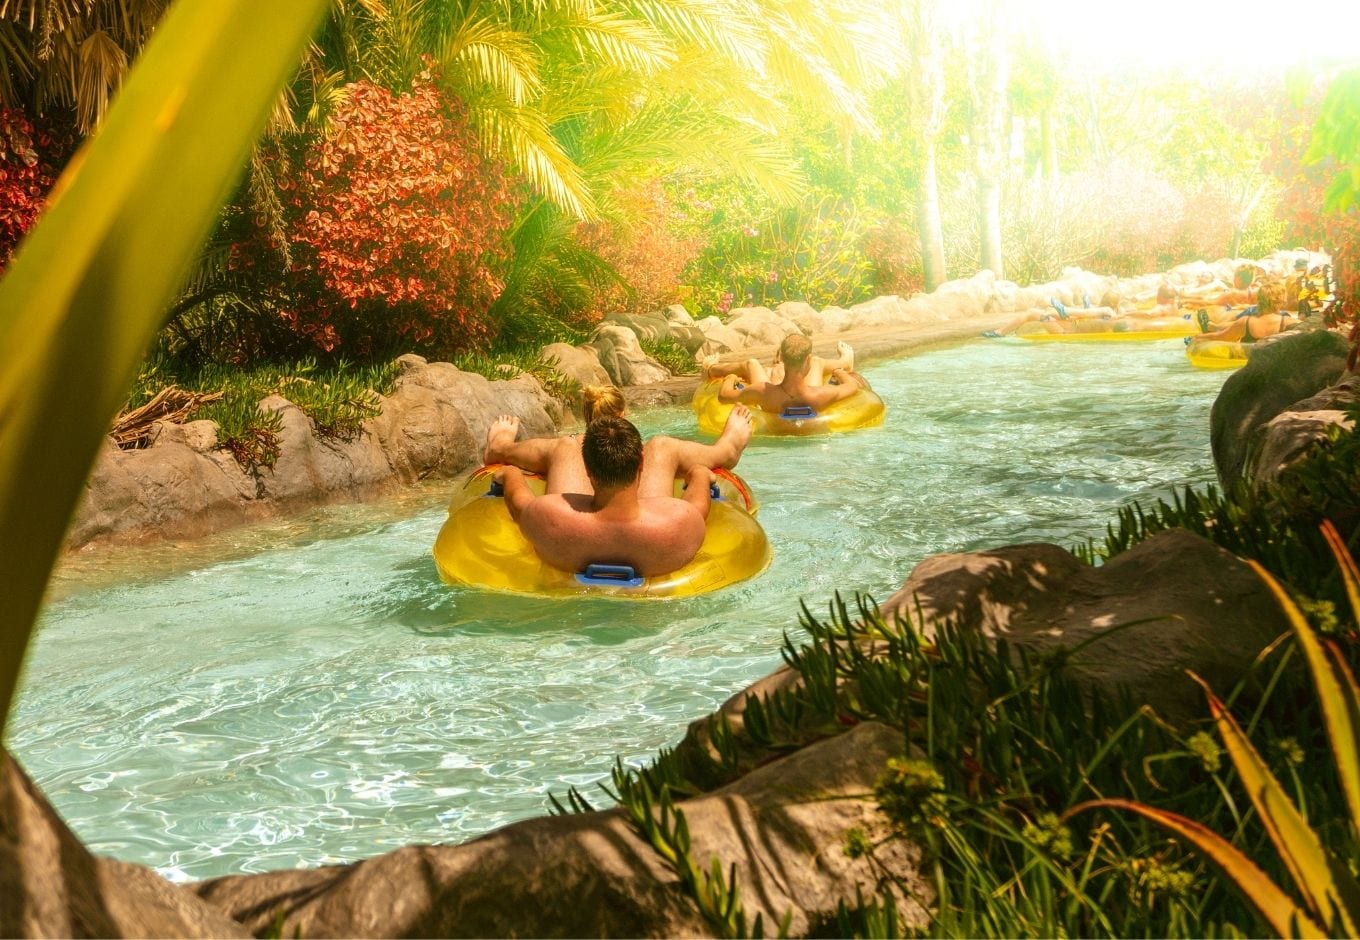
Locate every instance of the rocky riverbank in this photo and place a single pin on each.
(434, 423)
(778, 805)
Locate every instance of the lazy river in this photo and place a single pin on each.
(308, 692)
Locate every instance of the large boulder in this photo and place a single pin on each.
(1289, 436)
(480, 400)
(966, 298)
(890, 310)
(1277, 375)
(51, 886)
(783, 826)
(655, 327)
(581, 364)
(719, 337)
(433, 425)
(169, 488)
(677, 315)
(622, 356)
(803, 315)
(1201, 607)
(760, 325)
(651, 327)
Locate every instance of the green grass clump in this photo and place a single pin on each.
(670, 354)
(337, 398)
(996, 746)
(507, 364)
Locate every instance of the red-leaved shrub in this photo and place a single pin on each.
(396, 226)
(31, 156)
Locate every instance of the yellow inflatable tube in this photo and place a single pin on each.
(1113, 331)
(1217, 354)
(481, 546)
(864, 409)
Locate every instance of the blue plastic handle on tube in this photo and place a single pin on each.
(612, 575)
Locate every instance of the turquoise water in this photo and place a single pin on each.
(308, 692)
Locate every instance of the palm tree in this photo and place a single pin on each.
(71, 54)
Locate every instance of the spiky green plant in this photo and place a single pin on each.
(1326, 897)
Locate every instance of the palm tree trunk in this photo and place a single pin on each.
(989, 223)
(928, 225)
(1050, 144)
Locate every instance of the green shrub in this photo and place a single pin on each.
(670, 354)
(338, 400)
(507, 364)
(811, 252)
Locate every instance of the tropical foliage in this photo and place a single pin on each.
(30, 158)
(1326, 901)
(87, 292)
(395, 227)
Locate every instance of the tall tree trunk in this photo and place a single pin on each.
(989, 78)
(925, 89)
(1050, 144)
(928, 225)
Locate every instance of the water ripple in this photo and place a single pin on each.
(307, 692)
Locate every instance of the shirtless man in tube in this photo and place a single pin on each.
(616, 504)
(795, 353)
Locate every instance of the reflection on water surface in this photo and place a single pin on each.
(308, 692)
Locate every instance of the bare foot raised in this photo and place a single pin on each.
(847, 354)
(736, 433)
(499, 437)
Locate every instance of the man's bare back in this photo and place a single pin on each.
(793, 391)
(642, 524)
(801, 384)
(568, 532)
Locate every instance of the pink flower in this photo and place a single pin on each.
(750, 231)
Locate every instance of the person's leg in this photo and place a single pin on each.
(711, 368)
(820, 369)
(1028, 317)
(757, 373)
(665, 458)
(566, 471)
(1231, 333)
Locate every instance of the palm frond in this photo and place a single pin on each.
(615, 40)
(715, 26)
(16, 64)
(523, 137)
(398, 44)
(493, 53)
(102, 65)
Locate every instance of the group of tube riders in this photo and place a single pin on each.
(1220, 322)
(605, 512)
